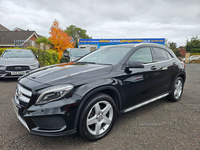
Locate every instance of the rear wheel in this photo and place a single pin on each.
(176, 90)
(98, 117)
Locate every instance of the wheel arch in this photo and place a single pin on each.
(107, 89)
(183, 76)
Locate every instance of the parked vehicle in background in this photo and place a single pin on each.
(85, 96)
(16, 62)
(195, 59)
(75, 53)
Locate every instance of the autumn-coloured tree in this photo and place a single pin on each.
(59, 39)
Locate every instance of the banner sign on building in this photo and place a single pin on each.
(122, 41)
(94, 44)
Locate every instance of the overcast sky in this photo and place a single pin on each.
(175, 20)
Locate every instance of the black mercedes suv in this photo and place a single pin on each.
(87, 95)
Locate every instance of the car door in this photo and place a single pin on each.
(138, 84)
(166, 70)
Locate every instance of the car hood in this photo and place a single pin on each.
(68, 73)
(17, 61)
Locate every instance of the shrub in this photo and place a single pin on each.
(64, 59)
(194, 54)
(2, 50)
(48, 57)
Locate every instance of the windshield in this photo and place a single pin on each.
(106, 55)
(79, 52)
(17, 54)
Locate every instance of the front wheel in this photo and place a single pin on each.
(98, 117)
(176, 90)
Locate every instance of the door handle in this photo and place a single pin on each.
(153, 68)
(174, 63)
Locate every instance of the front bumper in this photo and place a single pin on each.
(52, 119)
(9, 74)
(16, 109)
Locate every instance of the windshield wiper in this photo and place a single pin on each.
(11, 57)
(86, 62)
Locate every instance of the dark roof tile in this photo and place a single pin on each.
(8, 37)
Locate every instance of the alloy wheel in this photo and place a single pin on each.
(178, 89)
(99, 117)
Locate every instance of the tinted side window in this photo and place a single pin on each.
(143, 54)
(160, 54)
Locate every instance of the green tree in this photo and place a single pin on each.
(166, 42)
(193, 46)
(173, 47)
(77, 33)
(44, 40)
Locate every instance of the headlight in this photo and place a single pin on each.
(2, 67)
(53, 93)
(35, 65)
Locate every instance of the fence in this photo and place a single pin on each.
(23, 43)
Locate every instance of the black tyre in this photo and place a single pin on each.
(177, 90)
(97, 117)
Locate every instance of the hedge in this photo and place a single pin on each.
(48, 57)
(195, 50)
(191, 54)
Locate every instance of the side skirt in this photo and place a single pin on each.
(146, 102)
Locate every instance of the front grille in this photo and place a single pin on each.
(23, 95)
(23, 104)
(17, 68)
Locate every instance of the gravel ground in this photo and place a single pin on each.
(159, 125)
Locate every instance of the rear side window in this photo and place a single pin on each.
(143, 54)
(160, 54)
(169, 55)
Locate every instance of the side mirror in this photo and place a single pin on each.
(135, 64)
(36, 56)
(66, 55)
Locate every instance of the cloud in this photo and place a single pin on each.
(172, 19)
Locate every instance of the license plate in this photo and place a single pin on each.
(18, 73)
